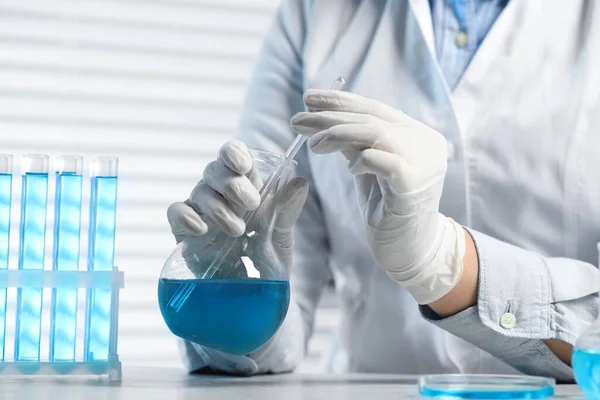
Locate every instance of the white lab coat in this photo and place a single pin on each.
(523, 128)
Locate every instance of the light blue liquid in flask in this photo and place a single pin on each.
(101, 254)
(34, 199)
(6, 164)
(586, 366)
(585, 360)
(67, 227)
(230, 315)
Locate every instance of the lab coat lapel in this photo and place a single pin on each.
(422, 13)
(419, 88)
(331, 53)
(499, 58)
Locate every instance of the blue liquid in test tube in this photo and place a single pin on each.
(67, 227)
(34, 199)
(101, 254)
(6, 167)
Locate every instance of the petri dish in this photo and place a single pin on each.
(486, 386)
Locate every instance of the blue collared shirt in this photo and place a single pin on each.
(460, 26)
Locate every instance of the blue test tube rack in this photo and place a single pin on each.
(100, 283)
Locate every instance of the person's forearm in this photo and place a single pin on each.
(464, 295)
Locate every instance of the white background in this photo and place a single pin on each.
(158, 83)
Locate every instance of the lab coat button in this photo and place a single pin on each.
(508, 320)
(461, 39)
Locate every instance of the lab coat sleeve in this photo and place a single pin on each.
(274, 94)
(549, 298)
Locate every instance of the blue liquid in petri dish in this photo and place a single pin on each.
(67, 226)
(101, 255)
(516, 394)
(31, 256)
(232, 316)
(465, 386)
(586, 366)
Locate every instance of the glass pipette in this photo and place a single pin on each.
(184, 291)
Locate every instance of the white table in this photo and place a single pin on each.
(172, 384)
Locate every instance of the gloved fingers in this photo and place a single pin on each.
(334, 100)
(184, 220)
(255, 178)
(394, 175)
(311, 123)
(419, 144)
(228, 363)
(378, 162)
(217, 210)
(353, 138)
(236, 188)
(291, 202)
(235, 156)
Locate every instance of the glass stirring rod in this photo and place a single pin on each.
(184, 291)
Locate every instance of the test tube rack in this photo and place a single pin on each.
(25, 291)
(46, 279)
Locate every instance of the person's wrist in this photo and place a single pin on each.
(464, 294)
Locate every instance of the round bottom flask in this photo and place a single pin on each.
(230, 294)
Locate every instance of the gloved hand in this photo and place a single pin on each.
(399, 166)
(227, 190)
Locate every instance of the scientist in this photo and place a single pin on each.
(453, 195)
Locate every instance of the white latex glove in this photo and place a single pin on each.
(227, 190)
(399, 166)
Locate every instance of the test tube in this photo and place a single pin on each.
(6, 170)
(34, 198)
(67, 227)
(101, 254)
